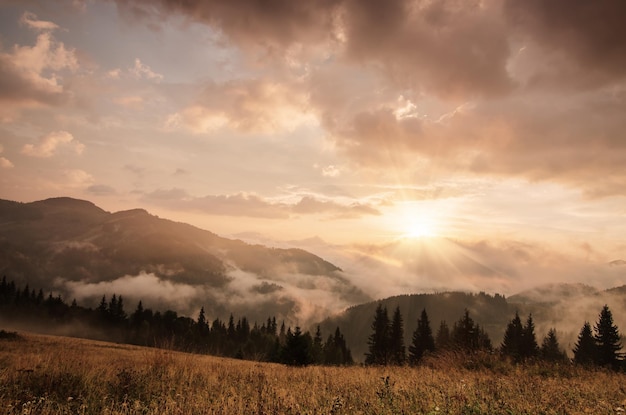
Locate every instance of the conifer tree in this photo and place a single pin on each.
(469, 336)
(585, 349)
(202, 324)
(550, 348)
(103, 310)
(317, 348)
(443, 340)
(397, 350)
(529, 347)
(120, 314)
(513, 338)
(296, 351)
(378, 341)
(137, 317)
(607, 340)
(423, 340)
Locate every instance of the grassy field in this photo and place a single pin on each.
(56, 375)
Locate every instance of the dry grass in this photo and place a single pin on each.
(54, 375)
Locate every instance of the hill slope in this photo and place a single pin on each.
(79, 250)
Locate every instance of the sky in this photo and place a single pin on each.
(397, 133)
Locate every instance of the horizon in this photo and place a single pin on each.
(477, 146)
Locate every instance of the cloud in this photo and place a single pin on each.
(30, 19)
(141, 70)
(248, 22)
(447, 47)
(153, 290)
(6, 163)
(331, 171)
(487, 88)
(240, 204)
(440, 264)
(77, 178)
(101, 190)
(49, 143)
(310, 205)
(252, 205)
(32, 75)
(579, 40)
(250, 106)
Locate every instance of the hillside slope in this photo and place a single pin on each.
(79, 250)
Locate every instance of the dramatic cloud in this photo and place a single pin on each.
(278, 23)
(252, 205)
(34, 74)
(251, 106)
(581, 39)
(49, 143)
(498, 123)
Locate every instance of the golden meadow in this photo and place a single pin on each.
(56, 375)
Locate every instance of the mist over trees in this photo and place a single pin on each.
(143, 326)
(386, 345)
(270, 341)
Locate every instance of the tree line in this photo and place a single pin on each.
(602, 347)
(267, 341)
(599, 345)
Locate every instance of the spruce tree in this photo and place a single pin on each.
(443, 340)
(585, 349)
(296, 350)
(464, 334)
(607, 340)
(378, 341)
(550, 348)
(468, 336)
(397, 350)
(317, 350)
(513, 338)
(529, 345)
(423, 340)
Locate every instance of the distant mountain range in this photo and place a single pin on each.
(75, 248)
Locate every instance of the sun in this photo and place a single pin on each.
(420, 228)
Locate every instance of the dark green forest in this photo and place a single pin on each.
(267, 341)
(599, 345)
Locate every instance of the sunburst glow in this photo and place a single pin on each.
(421, 228)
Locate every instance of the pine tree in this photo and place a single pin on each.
(585, 349)
(202, 324)
(378, 341)
(103, 310)
(443, 340)
(511, 343)
(317, 350)
(137, 317)
(529, 347)
(120, 314)
(423, 340)
(607, 340)
(296, 350)
(550, 348)
(469, 336)
(397, 350)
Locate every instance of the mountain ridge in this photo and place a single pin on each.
(72, 246)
